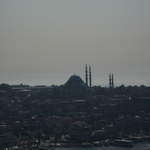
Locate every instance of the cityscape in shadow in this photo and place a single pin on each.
(74, 114)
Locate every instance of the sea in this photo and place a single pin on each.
(139, 146)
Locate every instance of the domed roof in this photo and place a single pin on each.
(74, 80)
(75, 87)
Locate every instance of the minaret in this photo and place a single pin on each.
(110, 83)
(86, 75)
(90, 77)
(112, 80)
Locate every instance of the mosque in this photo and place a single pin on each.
(76, 80)
(76, 87)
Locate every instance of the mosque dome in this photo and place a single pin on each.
(75, 80)
(75, 87)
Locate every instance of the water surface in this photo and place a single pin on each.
(140, 146)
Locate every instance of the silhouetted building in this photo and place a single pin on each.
(75, 87)
(88, 76)
(111, 80)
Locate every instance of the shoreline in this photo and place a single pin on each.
(76, 146)
(105, 143)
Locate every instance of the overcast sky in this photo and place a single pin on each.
(46, 41)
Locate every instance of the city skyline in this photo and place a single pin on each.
(45, 42)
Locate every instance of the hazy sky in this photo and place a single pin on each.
(46, 41)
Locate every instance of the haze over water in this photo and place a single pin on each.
(140, 146)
